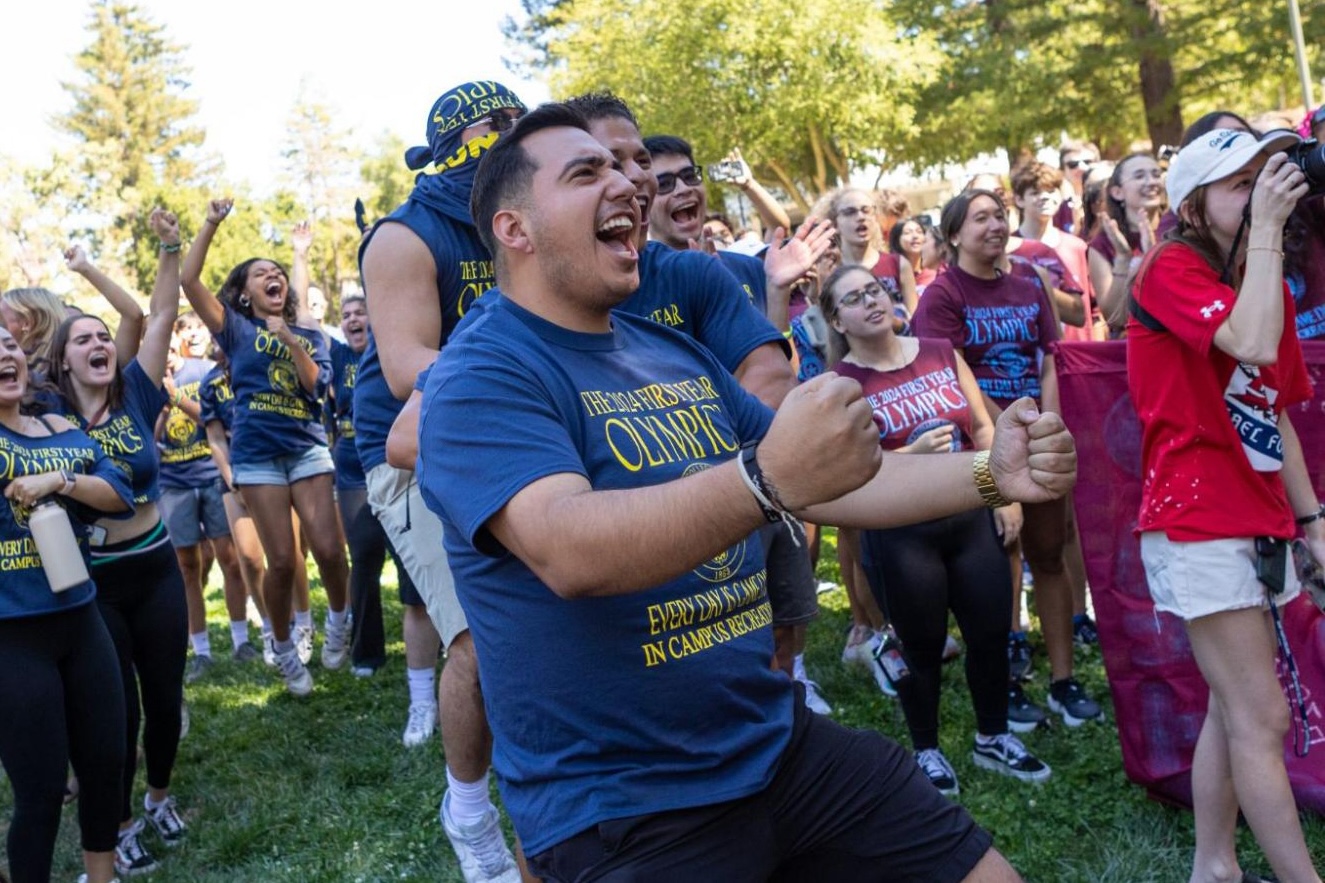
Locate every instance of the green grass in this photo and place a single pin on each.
(279, 789)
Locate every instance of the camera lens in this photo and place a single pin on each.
(1309, 156)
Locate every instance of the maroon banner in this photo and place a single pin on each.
(1159, 696)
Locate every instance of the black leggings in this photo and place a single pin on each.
(141, 596)
(60, 699)
(920, 572)
(369, 546)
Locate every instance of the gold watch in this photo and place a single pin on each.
(984, 482)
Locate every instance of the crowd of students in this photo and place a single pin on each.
(246, 433)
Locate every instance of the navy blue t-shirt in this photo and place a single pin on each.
(640, 703)
(749, 271)
(698, 296)
(216, 400)
(344, 372)
(186, 458)
(274, 415)
(127, 432)
(464, 273)
(24, 589)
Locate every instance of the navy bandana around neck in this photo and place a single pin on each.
(448, 186)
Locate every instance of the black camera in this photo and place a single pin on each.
(1309, 156)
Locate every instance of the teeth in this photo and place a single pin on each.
(620, 222)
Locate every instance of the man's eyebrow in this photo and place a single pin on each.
(594, 161)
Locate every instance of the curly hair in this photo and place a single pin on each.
(232, 290)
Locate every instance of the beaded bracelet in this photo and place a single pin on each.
(1315, 516)
(1266, 248)
(170, 247)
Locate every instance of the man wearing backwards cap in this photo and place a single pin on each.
(422, 267)
(1214, 367)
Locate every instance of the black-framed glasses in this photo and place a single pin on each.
(690, 175)
(499, 121)
(1079, 164)
(855, 298)
(865, 211)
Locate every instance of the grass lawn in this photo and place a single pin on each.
(280, 789)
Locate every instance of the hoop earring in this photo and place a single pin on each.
(244, 300)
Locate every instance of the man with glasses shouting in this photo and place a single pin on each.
(423, 266)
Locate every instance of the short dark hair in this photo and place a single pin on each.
(506, 170)
(1206, 125)
(601, 105)
(1036, 176)
(669, 145)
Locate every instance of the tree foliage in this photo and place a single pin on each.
(807, 91)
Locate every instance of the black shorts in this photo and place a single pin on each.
(844, 805)
(791, 586)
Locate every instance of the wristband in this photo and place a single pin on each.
(1314, 516)
(754, 480)
(70, 482)
(170, 247)
(984, 482)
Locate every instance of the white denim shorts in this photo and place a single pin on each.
(1196, 579)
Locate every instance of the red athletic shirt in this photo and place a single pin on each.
(916, 398)
(1211, 450)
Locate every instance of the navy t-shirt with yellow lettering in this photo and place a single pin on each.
(639, 703)
(216, 401)
(24, 589)
(186, 458)
(344, 375)
(127, 432)
(274, 415)
(464, 273)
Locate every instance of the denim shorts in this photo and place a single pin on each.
(1196, 579)
(192, 513)
(284, 470)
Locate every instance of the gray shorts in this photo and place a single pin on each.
(193, 513)
(416, 534)
(791, 583)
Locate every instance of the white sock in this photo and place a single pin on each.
(469, 801)
(149, 804)
(303, 618)
(202, 645)
(798, 667)
(285, 646)
(266, 626)
(421, 689)
(336, 617)
(238, 632)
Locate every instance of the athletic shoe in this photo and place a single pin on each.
(876, 668)
(857, 649)
(82, 878)
(951, 650)
(363, 671)
(335, 646)
(481, 848)
(269, 649)
(1084, 632)
(1023, 714)
(813, 700)
(297, 679)
(824, 586)
(131, 857)
(245, 652)
(303, 642)
(1067, 698)
(1005, 754)
(199, 665)
(422, 721)
(167, 823)
(183, 724)
(939, 772)
(1019, 656)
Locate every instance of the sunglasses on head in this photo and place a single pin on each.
(691, 175)
(1079, 163)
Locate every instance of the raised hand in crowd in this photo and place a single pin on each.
(130, 329)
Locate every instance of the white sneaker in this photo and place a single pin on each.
(876, 669)
(82, 878)
(303, 642)
(335, 645)
(857, 649)
(481, 847)
(297, 679)
(422, 721)
(269, 649)
(813, 701)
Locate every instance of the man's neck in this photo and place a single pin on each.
(1035, 226)
(535, 295)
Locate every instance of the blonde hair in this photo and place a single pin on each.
(827, 207)
(42, 311)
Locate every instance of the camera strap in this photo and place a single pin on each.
(1226, 277)
(1299, 720)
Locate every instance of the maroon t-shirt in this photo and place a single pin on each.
(1307, 283)
(888, 270)
(911, 400)
(1042, 255)
(1104, 245)
(1002, 325)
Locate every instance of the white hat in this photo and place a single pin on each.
(1218, 154)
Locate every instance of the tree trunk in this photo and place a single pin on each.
(788, 185)
(1159, 89)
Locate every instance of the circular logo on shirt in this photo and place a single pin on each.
(935, 423)
(179, 427)
(281, 376)
(20, 513)
(723, 566)
(1007, 360)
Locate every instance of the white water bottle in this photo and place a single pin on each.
(56, 544)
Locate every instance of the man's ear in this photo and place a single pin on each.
(509, 228)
